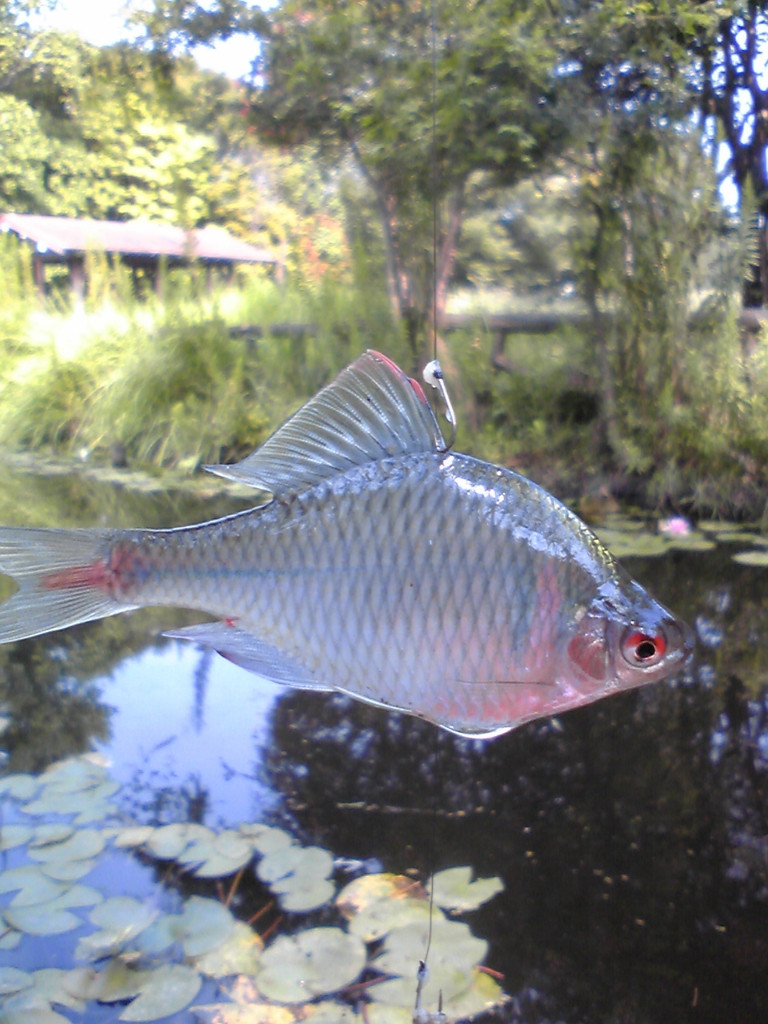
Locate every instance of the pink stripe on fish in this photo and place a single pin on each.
(100, 575)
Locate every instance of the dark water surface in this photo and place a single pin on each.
(631, 836)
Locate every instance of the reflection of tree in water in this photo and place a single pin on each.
(633, 841)
(47, 690)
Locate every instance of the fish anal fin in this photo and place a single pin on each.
(251, 653)
(371, 411)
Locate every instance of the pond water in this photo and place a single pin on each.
(631, 836)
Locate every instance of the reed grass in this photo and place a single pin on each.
(176, 382)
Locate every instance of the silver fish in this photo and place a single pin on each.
(384, 568)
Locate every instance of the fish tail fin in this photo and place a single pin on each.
(63, 578)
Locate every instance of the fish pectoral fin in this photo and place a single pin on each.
(247, 651)
(371, 411)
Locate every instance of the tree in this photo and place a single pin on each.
(357, 79)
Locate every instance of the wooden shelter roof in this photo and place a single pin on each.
(62, 237)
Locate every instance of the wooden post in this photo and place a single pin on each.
(77, 277)
(39, 270)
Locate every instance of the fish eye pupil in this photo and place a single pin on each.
(645, 649)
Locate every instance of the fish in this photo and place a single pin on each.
(384, 566)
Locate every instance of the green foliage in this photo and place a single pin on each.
(180, 383)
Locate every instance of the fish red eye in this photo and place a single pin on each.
(642, 648)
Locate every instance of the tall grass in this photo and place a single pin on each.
(193, 378)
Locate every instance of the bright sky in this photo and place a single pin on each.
(103, 22)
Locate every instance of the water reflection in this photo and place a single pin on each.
(632, 835)
(184, 752)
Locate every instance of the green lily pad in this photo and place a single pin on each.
(34, 887)
(756, 558)
(13, 980)
(316, 962)
(376, 920)
(97, 810)
(165, 991)
(10, 939)
(83, 802)
(206, 924)
(240, 954)
(83, 845)
(692, 541)
(41, 919)
(331, 1012)
(368, 889)
(14, 835)
(454, 889)
(73, 774)
(381, 1013)
(114, 984)
(453, 954)
(265, 839)
(483, 995)
(168, 841)
(68, 870)
(299, 876)
(721, 526)
(161, 934)
(135, 835)
(121, 919)
(45, 835)
(49, 982)
(77, 896)
(306, 894)
(19, 787)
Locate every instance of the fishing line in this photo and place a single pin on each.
(433, 374)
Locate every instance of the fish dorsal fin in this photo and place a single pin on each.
(371, 411)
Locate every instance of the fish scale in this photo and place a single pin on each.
(385, 568)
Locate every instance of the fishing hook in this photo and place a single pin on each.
(433, 375)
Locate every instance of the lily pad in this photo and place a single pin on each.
(483, 995)
(690, 542)
(121, 919)
(206, 925)
(13, 980)
(756, 558)
(240, 954)
(299, 876)
(316, 962)
(83, 845)
(77, 896)
(453, 954)
(41, 919)
(454, 889)
(10, 939)
(49, 982)
(14, 835)
(114, 984)
(165, 991)
(20, 786)
(45, 835)
(368, 889)
(380, 918)
(161, 934)
(168, 841)
(380, 1013)
(265, 839)
(135, 835)
(305, 894)
(67, 870)
(34, 887)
